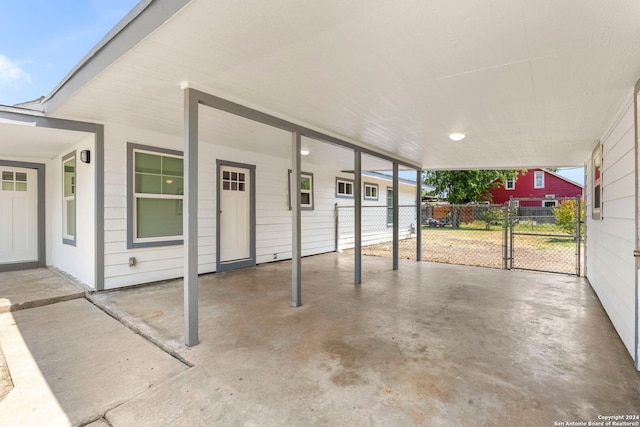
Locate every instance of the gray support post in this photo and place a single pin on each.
(296, 219)
(99, 207)
(396, 216)
(418, 215)
(357, 214)
(190, 218)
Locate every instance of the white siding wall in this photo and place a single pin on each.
(610, 242)
(78, 260)
(374, 221)
(273, 217)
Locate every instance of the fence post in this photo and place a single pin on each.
(510, 232)
(505, 238)
(578, 236)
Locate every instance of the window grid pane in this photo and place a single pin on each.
(233, 181)
(157, 174)
(158, 218)
(69, 168)
(370, 191)
(70, 223)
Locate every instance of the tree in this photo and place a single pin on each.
(566, 216)
(467, 186)
(491, 216)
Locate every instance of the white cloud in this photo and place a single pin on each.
(11, 74)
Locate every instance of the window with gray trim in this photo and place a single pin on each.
(155, 196)
(344, 188)
(69, 199)
(370, 191)
(306, 190)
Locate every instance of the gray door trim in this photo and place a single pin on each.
(251, 261)
(42, 246)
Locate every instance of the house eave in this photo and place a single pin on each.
(142, 20)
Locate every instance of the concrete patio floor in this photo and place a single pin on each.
(24, 289)
(430, 344)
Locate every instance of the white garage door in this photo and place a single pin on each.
(18, 215)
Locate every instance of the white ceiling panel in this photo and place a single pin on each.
(531, 82)
(30, 142)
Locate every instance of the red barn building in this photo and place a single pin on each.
(537, 183)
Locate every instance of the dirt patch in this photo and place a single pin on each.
(483, 248)
(6, 384)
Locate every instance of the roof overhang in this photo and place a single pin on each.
(27, 134)
(530, 83)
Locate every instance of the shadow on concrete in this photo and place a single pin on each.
(70, 363)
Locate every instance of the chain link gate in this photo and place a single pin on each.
(524, 235)
(538, 239)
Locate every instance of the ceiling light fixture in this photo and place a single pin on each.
(305, 151)
(457, 136)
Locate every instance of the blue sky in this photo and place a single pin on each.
(42, 40)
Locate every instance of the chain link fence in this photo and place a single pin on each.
(523, 237)
(464, 234)
(543, 241)
(377, 230)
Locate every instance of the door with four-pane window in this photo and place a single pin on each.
(18, 215)
(235, 216)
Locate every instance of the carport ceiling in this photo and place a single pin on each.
(531, 82)
(31, 142)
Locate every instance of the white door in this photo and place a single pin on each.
(235, 214)
(18, 215)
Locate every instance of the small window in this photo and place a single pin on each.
(306, 190)
(538, 179)
(69, 199)
(370, 191)
(14, 181)
(344, 188)
(233, 181)
(510, 184)
(549, 203)
(156, 196)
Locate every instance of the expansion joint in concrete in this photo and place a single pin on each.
(115, 314)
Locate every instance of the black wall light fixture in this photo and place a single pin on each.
(85, 156)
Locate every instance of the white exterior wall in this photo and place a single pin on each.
(610, 265)
(374, 221)
(79, 260)
(273, 217)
